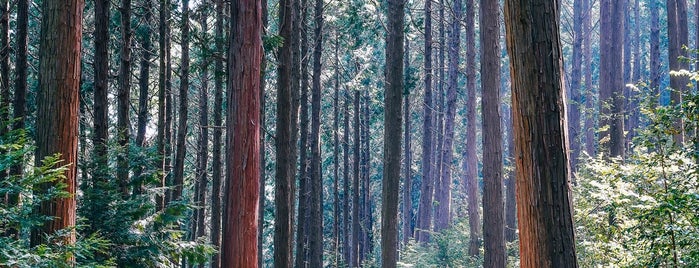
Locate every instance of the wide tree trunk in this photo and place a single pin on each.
(284, 143)
(183, 113)
(124, 99)
(493, 205)
(471, 158)
(543, 194)
(315, 236)
(57, 117)
(243, 136)
(216, 165)
(424, 217)
(392, 139)
(611, 82)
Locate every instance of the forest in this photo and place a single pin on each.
(355, 133)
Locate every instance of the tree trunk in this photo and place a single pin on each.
(354, 262)
(611, 77)
(633, 99)
(471, 159)
(443, 212)
(284, 143)
(203, 141)
(677, 38)
(124, 99)
(243, 136)
(57, 117)
(336, 152)
(407, 165)
(304, 210)
(439, 106)
(424, 218)
(169, 101)
(184, 103)
(315, 237)
(573, 91)
(20, 94)
(4, 72)
(217, 144)
(163, 100)
(100, 102)
(590, 141)
(393, 124)
(654, 40)
(143, 83)
(493, 220)
(367, 215)
(543, 195)
(263, 147)
(347, 250)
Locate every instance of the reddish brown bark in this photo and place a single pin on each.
(57, 117)
(243, 136)
(543, 195)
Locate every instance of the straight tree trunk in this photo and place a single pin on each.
(633, 108)
(654, 41)
(493, 220)
(355, 261)
(217, 144)
(163, 100)
(590, 141)
(336, 152)
(367, 216)
(363, 185)
(4, 72)
(243, 136)
(304, 210)
(263, 147)
(543, 194)
(677, 38)
(169, 101)
(286, 160)
(124, 99)
(203, 141)
(424, 218)
(347, 250)
(143, 83)
(573, 91)
(183, 109)
(393, 124)
(439, 106)
(101, 90)
(611, 77)
(471, 159)
(407, 168)
(57, 118)
(20, 94)
(315, 237)
(443, 212)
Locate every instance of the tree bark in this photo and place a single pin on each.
(407, 168)
(143, 83)
(677, 38)
(424, 218)
(573, 91)
(590, 115)
(57, 117)
(392, 140)
(20, 94)
(654, 41)
(243, 136)
(493, 220)
(304, 210)
(4, 72)
(315, 237)
(183, 109)
(543, 195)
(163, 138)
(347, 250)
(336, 152)
(263, 147)
(611, 77)
(355, 261)
(471, 159)
(100, 102)
(217, 144)
(202, 141)
(124, 99)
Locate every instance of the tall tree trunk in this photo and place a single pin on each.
(654, 41)
(263, 147)
(424, 218)
(347, 250)
(301, 31)
(443, 212)
(315, 237)
(336, 152)
(393, 124)
(216, 165)
(143, 83)
(284, 143)
(20, 94)
(677, 38)
(573, 91)
(184, 103)
(493, 220)
(203, 140)
(471, 159)
(589, 125)
(124, 99)
(4, 72)
(366, 214)
(57, 117)
(439, 106)
(243, 136)
(634, 109)
(100, 138)
(407, 165)
(611, 77)
(163, 100)
(543, 195)
(169, 102)
(355, 186)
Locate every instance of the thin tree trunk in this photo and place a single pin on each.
(407, 165)
(263, 147)
(439, 146)
(366, 197)
(124, 99)
(573, 91)
(633, 108)
(169, 102)
(347, 250)
(336, 152)
(471, 159)
(143, 83)
(203, 141)
(493, 220)
(424, 218)
(590, 103)
(216, 165)
(183, 109)
(243, 136)
(392, 140)
(654, 41)
(315, 237)
(100, 102)
(301, 30)
(355, 261)
(543, 195)
(20, 94)
(57, 118)
(284, 143)
(4, 72)
(163, 104)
